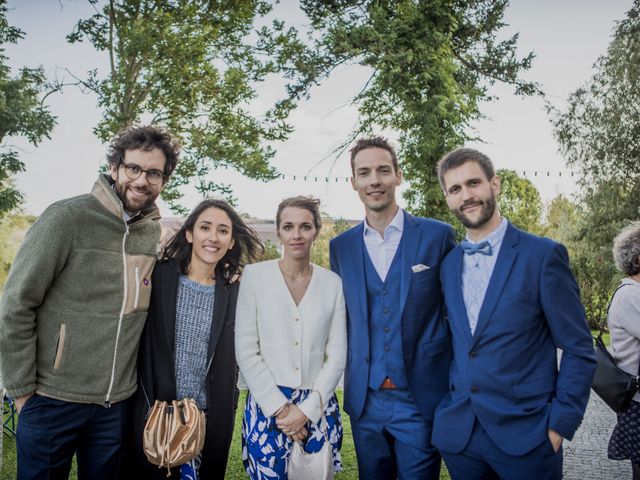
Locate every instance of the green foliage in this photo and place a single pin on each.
(519, 201)
(21, 113)
(12, 230)
(598, 135)
(591, 261)
(432, 63)
(271, 251)
(193, 66)
(340, 225)
(598, 131)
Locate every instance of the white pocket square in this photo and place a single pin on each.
(419, 268)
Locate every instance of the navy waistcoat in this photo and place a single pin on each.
(385, 335)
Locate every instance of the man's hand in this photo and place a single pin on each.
(556, 440)
(20, 401)
(293, 423)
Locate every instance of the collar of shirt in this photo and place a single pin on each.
(396, 224)
(382, 249)
(495, 237)
(476, 274)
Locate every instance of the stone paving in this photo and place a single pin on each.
(585, 457)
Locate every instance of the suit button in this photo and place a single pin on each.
(386, 310)
(387, 329)
(297, 368)
(296, 319)
(386, 349)
(295, 344)
(474, 389)
(384, 292)
(473, 354)
(366, 359)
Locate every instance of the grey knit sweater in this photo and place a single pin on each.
(194, 314)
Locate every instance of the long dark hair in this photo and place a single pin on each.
(246, 248)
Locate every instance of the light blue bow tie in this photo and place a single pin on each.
(470, 248)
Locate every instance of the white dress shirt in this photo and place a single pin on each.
(382, 249)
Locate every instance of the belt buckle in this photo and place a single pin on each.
(388, 384)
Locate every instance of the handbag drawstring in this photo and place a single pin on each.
(165, 450)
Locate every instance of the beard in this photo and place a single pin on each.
(488, 208)
(132, 207)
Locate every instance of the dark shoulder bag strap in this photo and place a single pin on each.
(607, 315)
(602, 330)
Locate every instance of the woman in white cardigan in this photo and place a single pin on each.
(291, 345)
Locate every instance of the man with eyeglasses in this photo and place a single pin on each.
(73, 309)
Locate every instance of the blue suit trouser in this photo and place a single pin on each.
(393, 439)
(481, 459)
(51, 431)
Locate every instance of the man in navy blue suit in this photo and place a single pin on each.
(399, 348)
(511, 302)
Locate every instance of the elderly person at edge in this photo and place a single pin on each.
(624, 326)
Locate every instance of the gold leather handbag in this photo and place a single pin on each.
(175, 430)
(174, 433)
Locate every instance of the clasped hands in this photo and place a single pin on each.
(292, 422)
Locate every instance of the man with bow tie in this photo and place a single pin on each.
(511, 302)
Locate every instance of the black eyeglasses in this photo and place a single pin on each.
(133, 171)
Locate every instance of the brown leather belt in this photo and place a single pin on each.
(388, 385)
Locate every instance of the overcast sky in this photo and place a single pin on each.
(567, 37)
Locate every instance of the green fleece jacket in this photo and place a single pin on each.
(76, 300)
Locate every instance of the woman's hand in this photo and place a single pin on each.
(292, 422)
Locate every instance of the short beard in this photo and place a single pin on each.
(120, 192)
(488, 208)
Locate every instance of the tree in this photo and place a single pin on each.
(12, 230)
(21, 113)
(432, 63)
(570, 224)
(598, 135)
(561, 218)
(599, 130)
(193, 66)
(519, 201)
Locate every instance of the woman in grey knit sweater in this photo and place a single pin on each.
(191, 324)
(624, 326)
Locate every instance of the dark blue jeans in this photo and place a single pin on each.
(51, 431)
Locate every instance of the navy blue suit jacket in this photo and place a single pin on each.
(507, 374)
(426, 341)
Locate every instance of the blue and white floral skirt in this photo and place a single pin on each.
(266, 449)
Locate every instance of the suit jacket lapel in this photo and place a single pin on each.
(458, 300)
(356, 264)
(169, 296)
(409, 253)
(504, 262)
(219, 314)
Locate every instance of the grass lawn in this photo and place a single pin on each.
(235, 470)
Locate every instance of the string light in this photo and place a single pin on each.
(523, 173)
